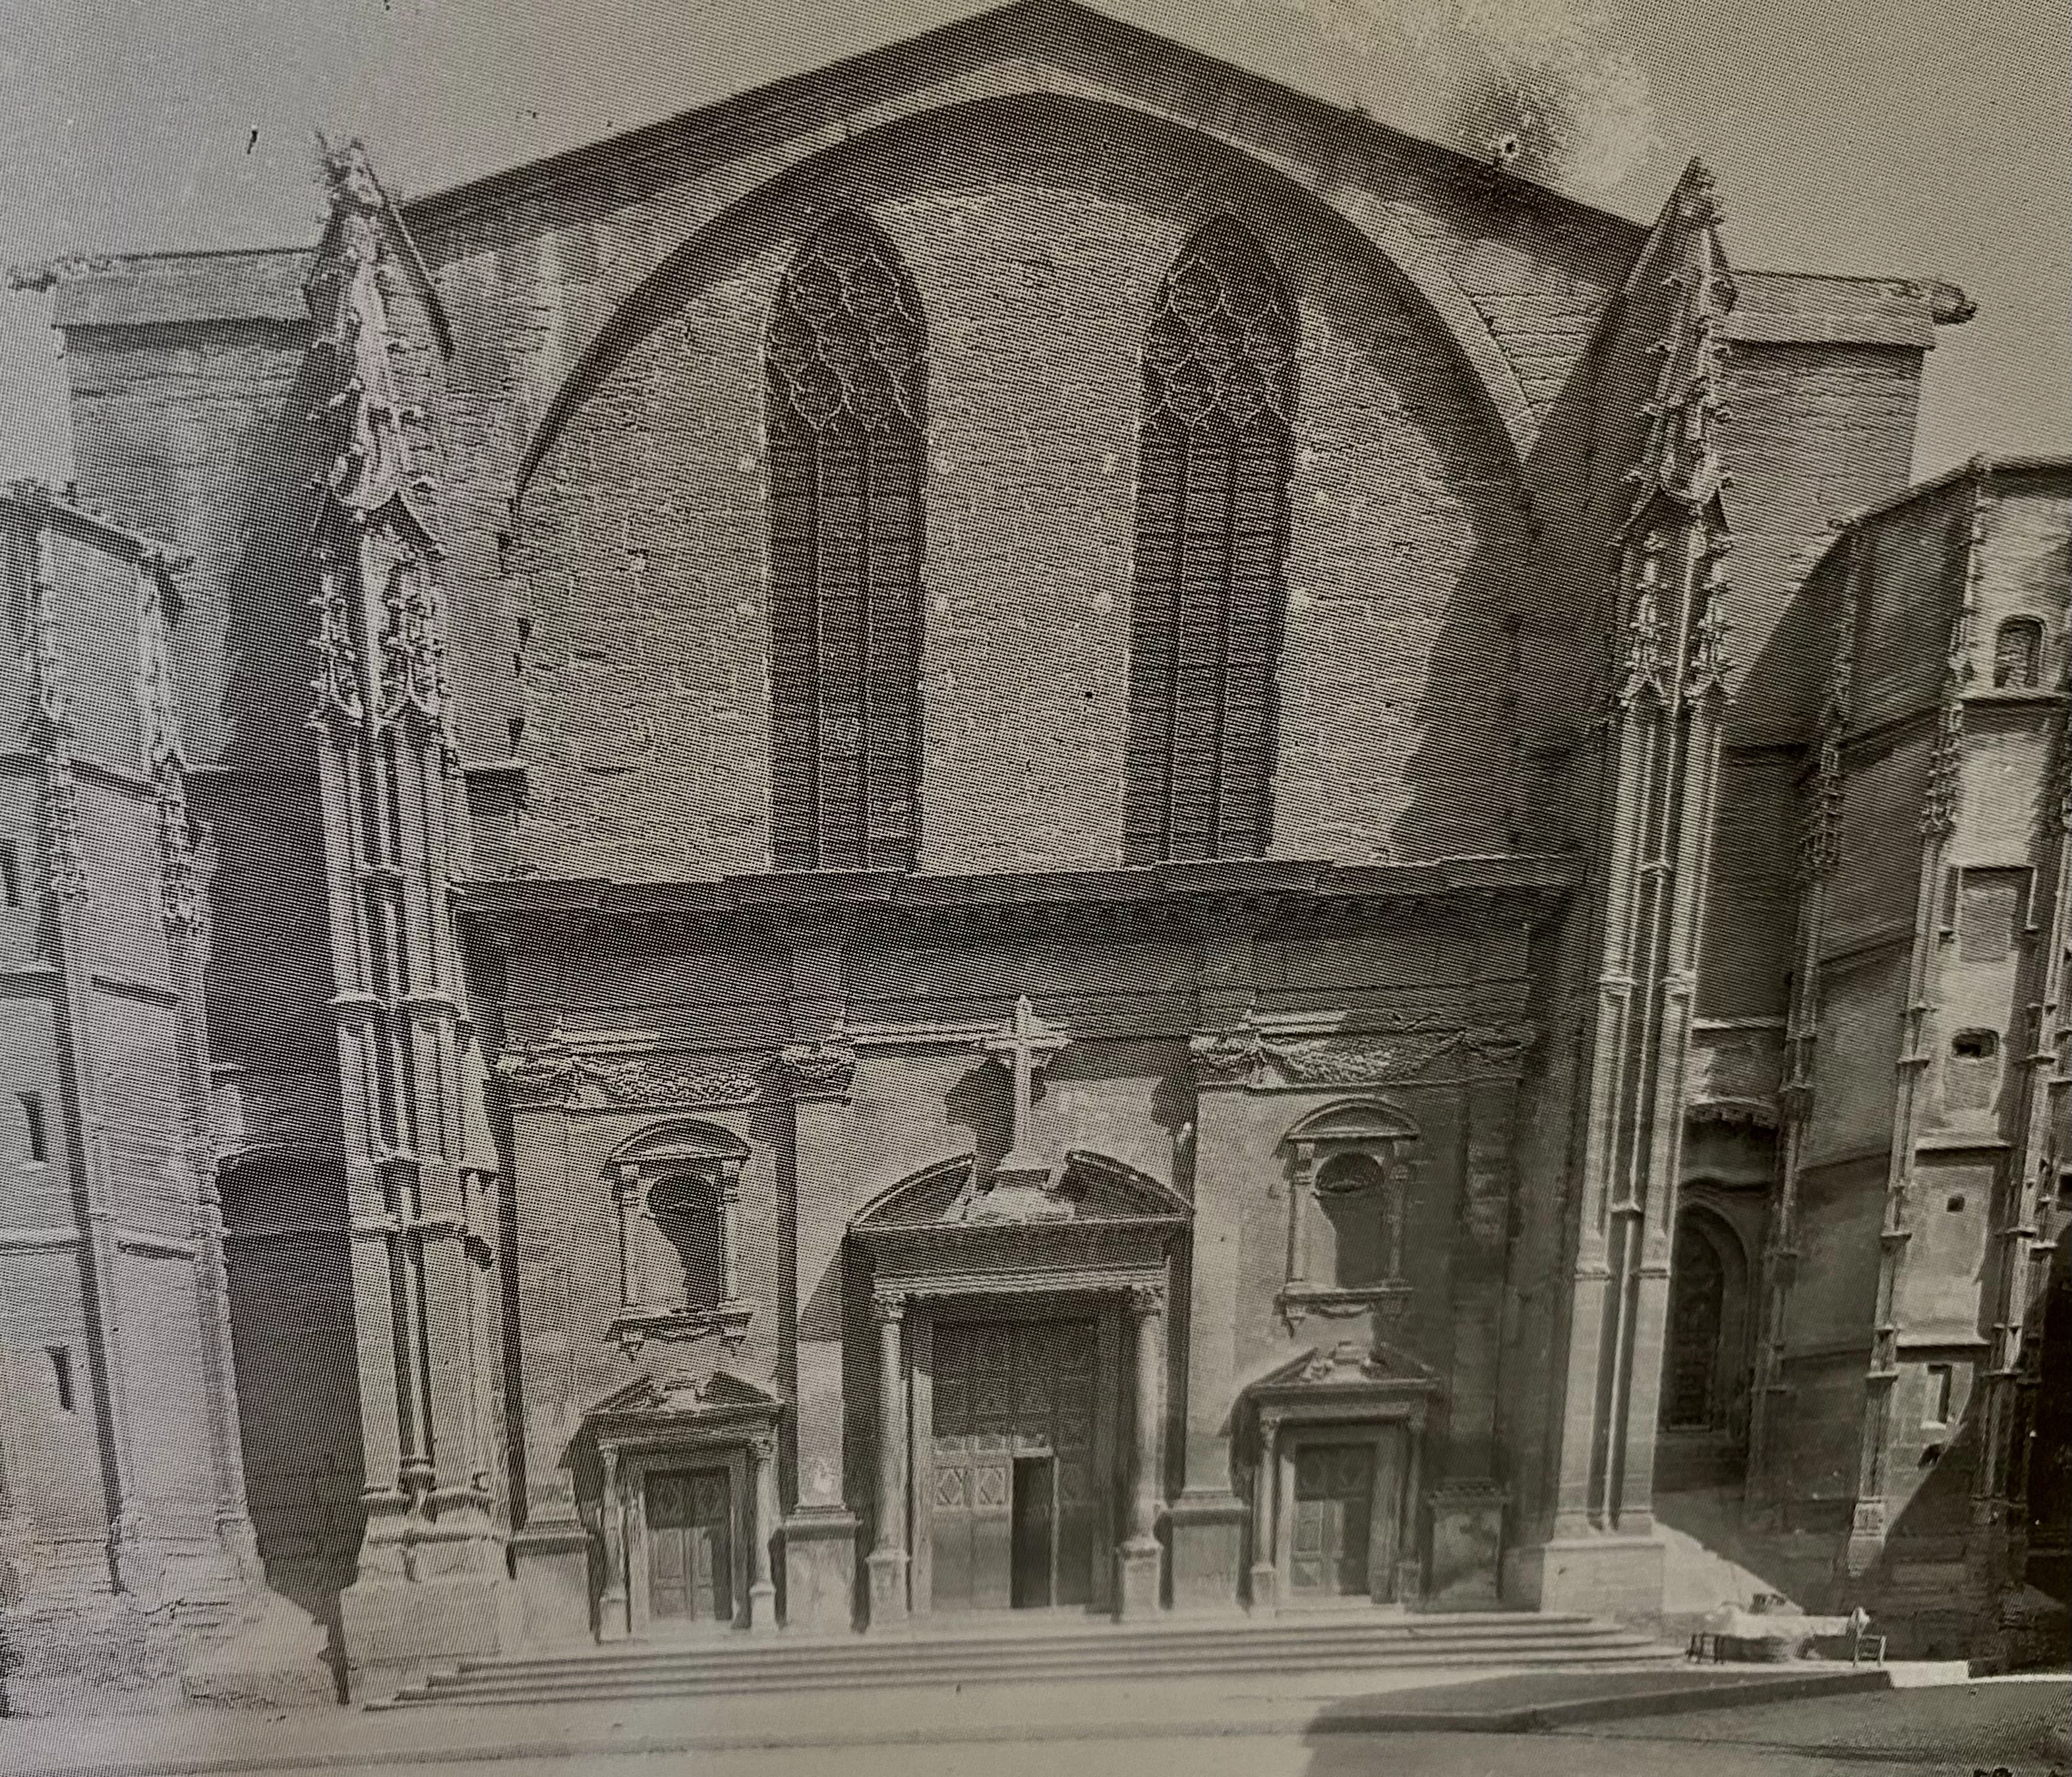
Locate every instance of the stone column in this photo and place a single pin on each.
(1265, 1576)
(819, 1528)
(1140, 1556)
(762, 1489)
(611, 1624)
(1207, 1521)
(888, 1556)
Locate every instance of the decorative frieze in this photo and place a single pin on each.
(555, 1074)
(1401, 1046)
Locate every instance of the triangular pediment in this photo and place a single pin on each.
(1348, 1367)
(652, 1398)
(1088, 1187)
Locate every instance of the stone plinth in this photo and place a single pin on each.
(1467, 1546)
(819, 1568)
(1208, 1550)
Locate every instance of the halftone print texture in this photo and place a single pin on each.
(1019, 849)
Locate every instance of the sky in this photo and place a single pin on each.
(1923, 138)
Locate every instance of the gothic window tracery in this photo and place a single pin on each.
(845, 380)
(1209, 603)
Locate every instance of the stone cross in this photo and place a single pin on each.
(1024, 1043)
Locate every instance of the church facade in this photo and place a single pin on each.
(1001, 831)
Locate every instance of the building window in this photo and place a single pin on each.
(2018, 655)
(1209, 604)
(845, 381)
(32, 1119)
(11, 874)
(60, 1356)
(1351, 1191)
(1973, 1077)
(1942, 1379)
(688, 1212)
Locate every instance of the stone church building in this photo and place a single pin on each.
(1001, 831)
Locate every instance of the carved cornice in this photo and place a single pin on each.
(1398, 1047)
(1734, 1112)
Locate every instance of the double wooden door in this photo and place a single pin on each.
(689, 1517)
(1012, 1507)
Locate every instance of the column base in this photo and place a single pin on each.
(552, 1562)
(1265, 1594)
(888, 1586)
(1608, 1576)
(819, 1568)
(1208, 1545)
(763, 1606)
(396, 1631)
(1139, 1565)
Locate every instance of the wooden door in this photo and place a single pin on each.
(690, 1546)
(1013, 1505)
(1331, 1532)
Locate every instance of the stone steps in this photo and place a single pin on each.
(1085, 1652)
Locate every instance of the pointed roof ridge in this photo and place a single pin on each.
(652, 141)
(1681, 458)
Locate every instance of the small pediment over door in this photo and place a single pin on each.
(1100, 1223)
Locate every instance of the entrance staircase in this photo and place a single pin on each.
(1054, 1651)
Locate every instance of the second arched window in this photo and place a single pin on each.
(846, 384)
(1210, 597)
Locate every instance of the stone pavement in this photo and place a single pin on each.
(1310, 1709)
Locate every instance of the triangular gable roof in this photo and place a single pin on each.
(1061, 34)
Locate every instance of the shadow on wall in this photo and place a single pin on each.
(289, 1262)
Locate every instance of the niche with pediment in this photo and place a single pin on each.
(677, 1193)
(1351, 1165)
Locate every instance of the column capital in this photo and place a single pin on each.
(1147, 1300)
(889, 1306)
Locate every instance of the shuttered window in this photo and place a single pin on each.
(1210, 598)
(846, 374)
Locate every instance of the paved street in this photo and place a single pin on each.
(1954, 1730)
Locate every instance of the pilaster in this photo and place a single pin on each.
(1659, 735)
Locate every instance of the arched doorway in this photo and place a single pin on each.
(1703, 1419)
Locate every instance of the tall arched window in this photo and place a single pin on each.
(1209, 604)
(846, 381)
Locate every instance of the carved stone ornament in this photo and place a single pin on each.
(1400, 1046)
(728, 1321)
(553, 1074)
(822, 1069)
(67, 848)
